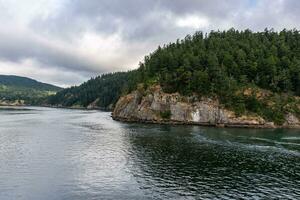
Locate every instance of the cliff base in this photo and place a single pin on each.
(155, 106)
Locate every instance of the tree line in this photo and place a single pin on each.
(218, 64)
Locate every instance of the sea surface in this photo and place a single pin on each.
(61, 154)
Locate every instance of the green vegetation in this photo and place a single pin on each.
(166, 114)
(225, 65)
(104, 90)
(20, 89)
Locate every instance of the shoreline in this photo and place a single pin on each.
(59, 107)
(165, 122)
(76, 108)
(169, 122)
(157, 107)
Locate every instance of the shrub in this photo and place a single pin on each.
(166, 114)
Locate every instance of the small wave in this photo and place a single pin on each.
(288, 143)
(203, 139)
(262, 139)
(270, 145)
(290, 138)
(265, 148)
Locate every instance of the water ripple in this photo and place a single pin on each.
(74, 154)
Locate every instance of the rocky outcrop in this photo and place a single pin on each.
(291, 121)
(93, 105)
(155, 106)
(12, 103)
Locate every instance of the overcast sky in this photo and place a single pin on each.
(65, 42)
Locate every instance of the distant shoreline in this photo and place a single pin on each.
(58, 107)
(164, 122)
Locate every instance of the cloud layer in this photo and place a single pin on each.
(65, 42)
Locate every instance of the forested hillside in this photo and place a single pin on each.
(104, 91)
(221, 61)
(22, 90)
(247, 71)
(18, 81)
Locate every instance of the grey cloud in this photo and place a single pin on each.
(212, 8)
(276, 14)
(141, 25)
(291, 9)
(136, 19)
(18, 46)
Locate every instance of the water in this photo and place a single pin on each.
(55, 154)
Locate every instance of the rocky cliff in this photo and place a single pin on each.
(12, 103)
(155, 106)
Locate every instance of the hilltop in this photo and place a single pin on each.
(16, 90)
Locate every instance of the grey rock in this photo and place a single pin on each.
(185, 110)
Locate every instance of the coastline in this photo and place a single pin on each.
(154, 106)
(167, 122)
(170, 122)
(76, 108)
(58, 107)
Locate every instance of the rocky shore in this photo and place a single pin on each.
(155, 106)
(12, 103)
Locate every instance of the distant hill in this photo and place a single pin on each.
(19, 81)
(100, 92)
(16, 90)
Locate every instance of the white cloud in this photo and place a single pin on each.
(193, 21)
(26, 10)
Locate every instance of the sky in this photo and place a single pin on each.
(65, 42)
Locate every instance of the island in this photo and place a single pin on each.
(226, 79)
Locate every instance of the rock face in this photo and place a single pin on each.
(291, 121)
(93, 105)
(12, 103)
(155, 106)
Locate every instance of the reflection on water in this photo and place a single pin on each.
(204, 163)
(74, 154)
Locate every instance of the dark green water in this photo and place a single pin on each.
(57, 154)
